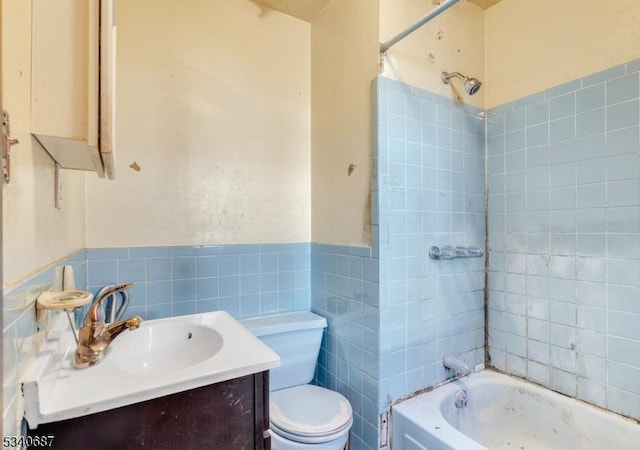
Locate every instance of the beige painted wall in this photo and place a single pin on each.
(34, 232)
(213, 104)
(533, 45)
(344, 42)
(344, 52)
(451, 42)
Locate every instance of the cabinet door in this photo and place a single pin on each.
(60, 52)
(73, 82)
(107, 85)
(64, 65)
(64, 74)
(231, 415)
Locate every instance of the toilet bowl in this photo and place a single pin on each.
(307, 415)
(302, 416)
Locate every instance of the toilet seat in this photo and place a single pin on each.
(309, 414)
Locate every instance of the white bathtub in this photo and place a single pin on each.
(506, 413)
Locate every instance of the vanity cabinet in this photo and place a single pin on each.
(231, 415)
(73, 82)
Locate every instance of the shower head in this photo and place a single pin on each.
(471, 85)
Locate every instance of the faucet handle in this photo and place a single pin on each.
(113, 290)
(105, 293)
(93, 315)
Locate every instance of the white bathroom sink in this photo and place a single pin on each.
(161, 357)
(164, 347)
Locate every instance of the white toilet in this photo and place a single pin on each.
(303, 416)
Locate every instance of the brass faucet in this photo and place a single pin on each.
(95, 336)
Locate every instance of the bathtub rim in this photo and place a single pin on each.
(414, 408)
(500, 373)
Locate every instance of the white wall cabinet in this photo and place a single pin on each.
(73, 82)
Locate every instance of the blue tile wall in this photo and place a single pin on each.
(22, 336)
(244, 280)
(429, 185)
(345, 291)
(564, 238)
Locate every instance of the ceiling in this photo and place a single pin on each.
(484, 4)
(309, 10)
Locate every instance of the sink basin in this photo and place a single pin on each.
(164, 346)
(161, 357)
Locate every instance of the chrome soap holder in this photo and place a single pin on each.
(448, 252)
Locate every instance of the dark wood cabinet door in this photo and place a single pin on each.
(232, 415)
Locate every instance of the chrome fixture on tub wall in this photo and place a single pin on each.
(458, 366)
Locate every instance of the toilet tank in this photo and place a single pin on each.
(296, 338)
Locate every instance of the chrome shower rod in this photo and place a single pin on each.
(433, 13)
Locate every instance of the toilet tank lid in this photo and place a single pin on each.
(282, 323)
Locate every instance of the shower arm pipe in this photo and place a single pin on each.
(442, 7)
